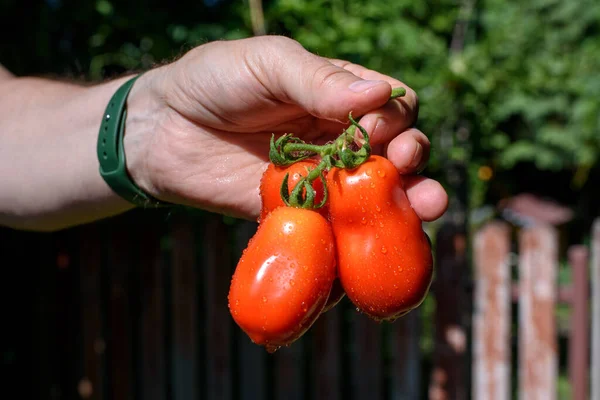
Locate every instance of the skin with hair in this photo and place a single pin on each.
(197, 131)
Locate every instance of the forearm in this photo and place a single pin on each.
(48, 166)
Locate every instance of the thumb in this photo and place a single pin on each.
(320, 87)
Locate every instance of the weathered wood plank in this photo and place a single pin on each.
(153, 373)
(448, 375)
(492, 317)
(252, 358)
(538, 265)
(366, 367)
(289, 371)
(327, 355)
(595, 278)
(118, 338)
(91, 385)
(406, 357)
(185, 305)
(579, 337)
(218, 324)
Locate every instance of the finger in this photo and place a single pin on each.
(410, 99)
(387, 122)
(409, 151)
(427, 197)
(323, 89)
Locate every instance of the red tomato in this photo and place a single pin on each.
(384, 258)
(272, 178)
(270, 185)
(284, 277)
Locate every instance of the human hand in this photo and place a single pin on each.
(199, 128)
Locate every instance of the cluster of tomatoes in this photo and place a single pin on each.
(365, 241)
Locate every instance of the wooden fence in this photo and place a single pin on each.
(136, 308)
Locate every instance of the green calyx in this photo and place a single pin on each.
(344, 152)
(303, 194)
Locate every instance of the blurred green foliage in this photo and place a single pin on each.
(500, 83)
(508, 90)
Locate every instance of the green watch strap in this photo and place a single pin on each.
(111, 151)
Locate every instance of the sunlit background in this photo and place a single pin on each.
(509, 97)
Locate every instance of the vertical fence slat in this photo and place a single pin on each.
(595, 274)
(217, 277)
(367, 363)
(90, 264)
(406, 361)
(119, 313)
(153, 367)
(538, 265)
(43, 338)
(184, 311)
(448, 376)
(327, 351)
(578, 338)
(289, 373)
(492, 317)
(252, 371)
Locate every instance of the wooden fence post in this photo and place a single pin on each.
(578, 339)
(153, 370)
(327, 349)
(492, 317)
(218, 325)
(252, 358)
(90, 263)
(185, 321)
(406, 353)
(449, 374)
(538, 265)
(595, 274)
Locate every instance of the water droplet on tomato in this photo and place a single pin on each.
(357, 309)
(381, 173)
(377, 236)
(350, 220)
(271, 348)
(372, 185)
(292, 283)
(363, 209)
(381, 224)
(237, 302)
(363, 221)
(371, 308)
(369, 172)
(264, 299)
(383, 249)
(378, 208)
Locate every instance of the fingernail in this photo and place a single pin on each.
(418, 157)
(362, 85)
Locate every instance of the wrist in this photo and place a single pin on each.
(145, 109)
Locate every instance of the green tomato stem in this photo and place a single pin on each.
(397, 92)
